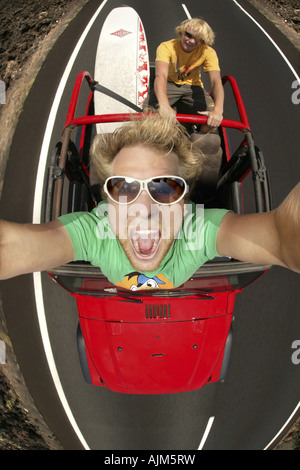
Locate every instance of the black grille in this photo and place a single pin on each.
(159, 311)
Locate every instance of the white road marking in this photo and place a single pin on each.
(206, 432)
(284, 426)
(36, 219)
(270, 39)
(50, 359)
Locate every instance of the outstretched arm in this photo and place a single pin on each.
(267, 238)
(29, 248)
(160, 87)
(214, 117)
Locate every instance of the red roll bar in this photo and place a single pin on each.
(241, 125)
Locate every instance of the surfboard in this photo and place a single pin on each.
(121, 65)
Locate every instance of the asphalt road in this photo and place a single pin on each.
(262, 386)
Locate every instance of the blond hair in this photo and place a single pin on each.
(199, 29)
(161, 133)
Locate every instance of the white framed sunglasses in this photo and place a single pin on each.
(163, 190)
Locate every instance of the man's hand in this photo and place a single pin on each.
(166, 111)
(214, 118)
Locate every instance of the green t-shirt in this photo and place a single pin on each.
(94, 241)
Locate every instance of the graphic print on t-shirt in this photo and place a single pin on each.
(138, 281)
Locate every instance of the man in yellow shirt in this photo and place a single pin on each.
(178, 81)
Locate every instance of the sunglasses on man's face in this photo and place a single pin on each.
(190, 36)
(161, 189)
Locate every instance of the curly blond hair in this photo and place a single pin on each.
(199, 29)
(152, 130)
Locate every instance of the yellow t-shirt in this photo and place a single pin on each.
(184, 67)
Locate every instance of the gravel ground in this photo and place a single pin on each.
(26, 25)
(288, 10)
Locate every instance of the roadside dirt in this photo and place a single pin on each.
(287, 10)
(27, 32)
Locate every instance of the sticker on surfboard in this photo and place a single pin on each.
(121, 66)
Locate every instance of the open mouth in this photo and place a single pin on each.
(145, 243)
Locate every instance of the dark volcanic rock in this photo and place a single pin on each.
(23, 24)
